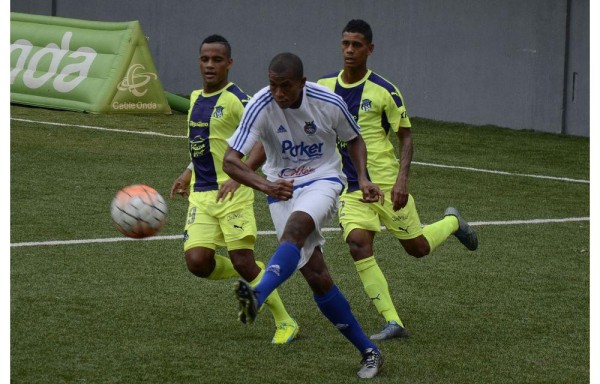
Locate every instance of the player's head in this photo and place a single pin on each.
(286, 80)
(217, 39)
(215, 62)
(360, 26)
(357, 43)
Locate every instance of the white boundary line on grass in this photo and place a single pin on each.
(148, 133)
(503, 172)
(263, 233)
(151, 133)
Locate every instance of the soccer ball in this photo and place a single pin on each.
(138, 211)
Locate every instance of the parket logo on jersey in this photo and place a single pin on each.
(302, 150)
(310, 127)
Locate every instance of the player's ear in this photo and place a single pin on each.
(229, 63)
(303, 81)
(371, 48)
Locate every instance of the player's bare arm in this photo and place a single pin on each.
(244, 174)
(400, 189)
(256, 158)
(358, 154)
(181, 185)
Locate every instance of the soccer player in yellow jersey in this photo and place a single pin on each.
(379, 109)
(220, 211)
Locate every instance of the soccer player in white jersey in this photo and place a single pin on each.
(298, 123)
(379, 109)
(221, 212)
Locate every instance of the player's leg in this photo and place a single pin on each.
(433, 235)
(201, 237)
(310, 207)
(334, 306)
(284, 261)
(320, 201)
(244, 262)
(405, 225)
(361, 222)
(282, 264)
(203, 262)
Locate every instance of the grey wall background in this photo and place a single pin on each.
(516, 64)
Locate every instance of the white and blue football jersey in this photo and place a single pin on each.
(300, 143)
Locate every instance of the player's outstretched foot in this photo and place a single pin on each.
(391, 330)
(286, 332)
(247, 300)
(465, 233)
(371, 364)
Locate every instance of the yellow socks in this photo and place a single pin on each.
(376, 287)
(439, 231)
(223, 269)
(273, 302)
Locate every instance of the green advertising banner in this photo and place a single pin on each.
(83, 65)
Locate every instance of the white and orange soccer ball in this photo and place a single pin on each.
(138, 211)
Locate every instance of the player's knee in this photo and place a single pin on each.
(360, 251)
(199, 264)
(416, 248)
(360, 244)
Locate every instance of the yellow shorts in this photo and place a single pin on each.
(403, 224)
(230, 223)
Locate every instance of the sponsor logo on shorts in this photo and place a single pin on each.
(399, 217)
(341, 327)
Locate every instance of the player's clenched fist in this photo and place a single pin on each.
(281, 189)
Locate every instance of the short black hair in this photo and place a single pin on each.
(286, 61)
(360, 26)
(217, 39)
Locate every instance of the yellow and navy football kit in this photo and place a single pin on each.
(212, 119)
(378, 107)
